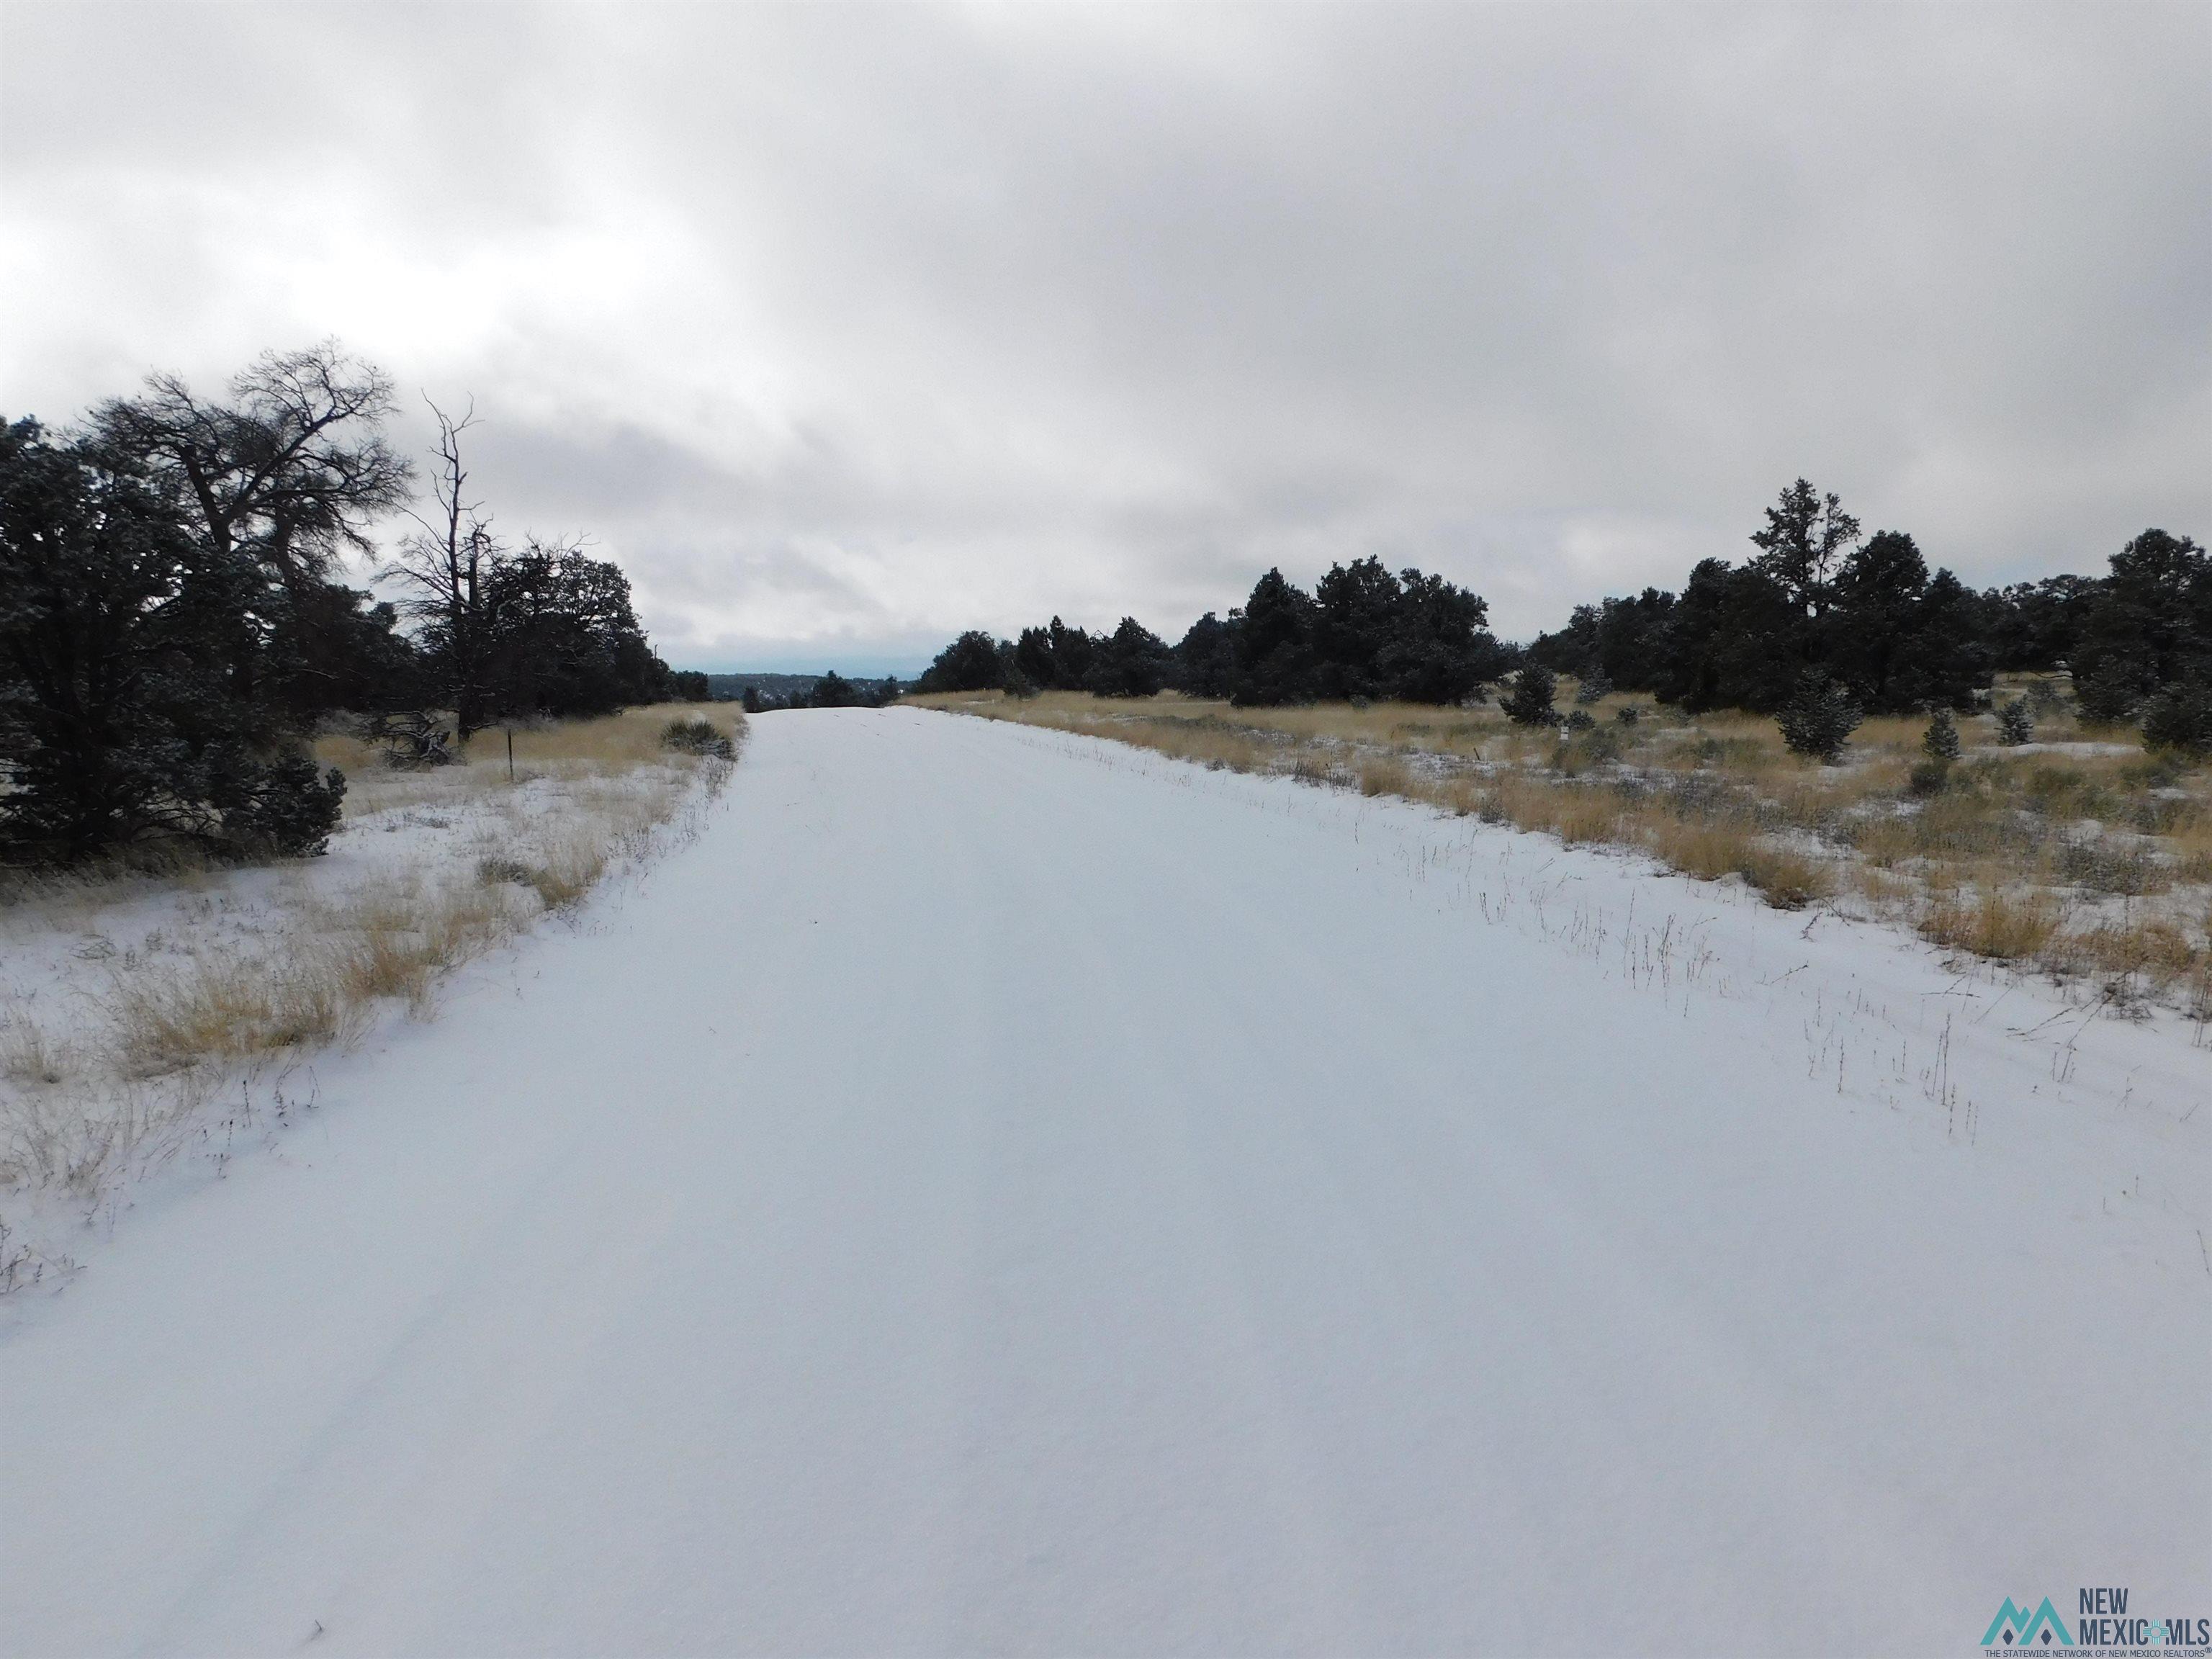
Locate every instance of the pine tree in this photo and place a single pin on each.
(2180, 718)
(1530, 702)
(1941, 741)
(1819, 718)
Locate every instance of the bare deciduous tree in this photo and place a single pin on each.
(449, 560)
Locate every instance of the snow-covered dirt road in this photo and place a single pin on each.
(998, 1192)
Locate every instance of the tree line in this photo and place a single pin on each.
(1364, 631)
(173, 623)
(1820, 624)
(830, 690)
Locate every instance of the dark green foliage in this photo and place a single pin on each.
(1033, 655)
(1575, 649)
(1364, 632)
(557, 637)
(1868, 615)
(1819, 718)
(2015, 725)
(827, 691)
(1053, 658)
(1132, 662)
(1206, 658)
(2179, 719)
(284, 476)
(2037, 625)
(169, 624)
(1274, 645)
(1530, 702)
(128, 669)
(1580, 719)
(1735, 640)
(1628, 713)
(2147, 627)
(687, 685)
(1805, 536)
(511, 634)
(2110, 696)
(281, 804)
(834, 690)
(1898, 638)
(334, 648)
(1865, 621)
(1941, 741)
(1618, 642)
(1011, 680)
(970, 663)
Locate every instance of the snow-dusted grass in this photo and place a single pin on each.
(134, 1003)
(2075, 857)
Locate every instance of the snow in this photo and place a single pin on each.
(83, 1125)
(999, 1191)
(59, 957)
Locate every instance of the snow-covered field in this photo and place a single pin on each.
(1003, 1191)
(148, 1023)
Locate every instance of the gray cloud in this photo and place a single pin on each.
(844, 328)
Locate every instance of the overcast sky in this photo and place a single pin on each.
(844, 329)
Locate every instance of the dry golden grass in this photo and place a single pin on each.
(1990, 923)
(2014, 855)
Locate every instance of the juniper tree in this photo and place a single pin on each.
(128, 669)
(287, 471)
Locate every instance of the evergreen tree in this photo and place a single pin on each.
(2179, 717)
(1033, 656)
(1530, 702)
(1072, 651)
(2148, 626)
(1806, 535)
(1132, 661)
(970, 663)
(130, 670)
(1819, 718)
(286, 473)
(1274, 648)
(1206, 658)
